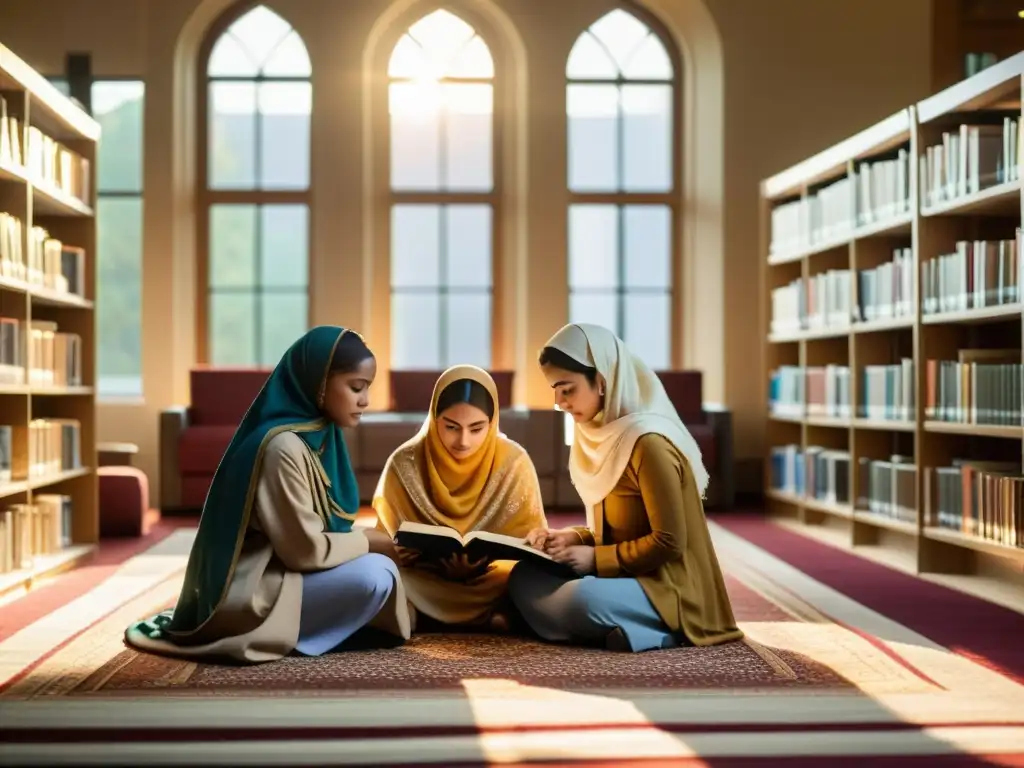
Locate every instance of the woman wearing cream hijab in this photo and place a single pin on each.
(651, 578)
(459, 471)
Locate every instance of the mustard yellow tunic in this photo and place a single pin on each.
(652, 527)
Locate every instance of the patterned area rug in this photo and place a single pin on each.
(820, 679)
(433, 662)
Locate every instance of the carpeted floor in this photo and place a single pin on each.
(435, 662)
(971, 627)
(844, 663)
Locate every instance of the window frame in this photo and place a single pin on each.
(140, 195)
(670, 198)
(492, 198)
(61, 83)
(207, 197)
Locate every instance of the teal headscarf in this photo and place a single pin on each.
(289, 401)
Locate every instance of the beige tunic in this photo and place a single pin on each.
(259, 617)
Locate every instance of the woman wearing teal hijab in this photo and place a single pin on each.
(276, 565)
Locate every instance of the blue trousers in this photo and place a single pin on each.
(585, 611)
(338, 602)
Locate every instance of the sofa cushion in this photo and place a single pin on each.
(411, 390)
(686, 391)
(538, 432)
(221, 396)
(381, 433)
(194, 489)
(201, 448)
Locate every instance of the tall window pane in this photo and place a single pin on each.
(620, 108)
(118, 106)
(441, 105)
(259, 102)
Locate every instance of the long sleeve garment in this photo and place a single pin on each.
(652, 527)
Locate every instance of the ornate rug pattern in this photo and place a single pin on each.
(93, 665)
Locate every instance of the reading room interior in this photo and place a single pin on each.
(646, 376)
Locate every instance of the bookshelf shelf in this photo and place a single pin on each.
(885, 324)
(1000, 200)
(24, 389)
(899, 225)
(888, 523)
(45, 566)
(974, 542)
(892, 292)
(49, 516)
(829, 508)
(972, 316)
(979, 430)
(827, 421)
(894, 425)
(50, 202)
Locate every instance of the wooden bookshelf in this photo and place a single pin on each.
(819, 217)
(48, 342)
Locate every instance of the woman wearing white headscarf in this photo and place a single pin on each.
(651, 578)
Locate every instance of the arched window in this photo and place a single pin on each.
(254, 245)
(621, 105)
(441, 99)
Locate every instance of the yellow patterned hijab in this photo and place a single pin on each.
(456, 484)
(495, 489)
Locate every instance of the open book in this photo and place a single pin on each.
(436, 542)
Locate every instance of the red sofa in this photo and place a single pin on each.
(193, 439)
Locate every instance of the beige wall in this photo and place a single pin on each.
(766, 82)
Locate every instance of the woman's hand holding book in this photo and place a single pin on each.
(545, 539)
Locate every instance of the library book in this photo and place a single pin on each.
(437, 542)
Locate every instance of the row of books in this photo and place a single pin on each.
(44, 160)
(888, 488)
(978, 498)
(887, 391)
(887, 290)
(28, 531)
(43, 448)
(53, 359)
(827, 474)
(819, 473)
(970, 159)
(817, 302)
(883, 188)
(979, 273)
(48, 263)
(982, 386)
(794, 391)
(826, 300)
(878, 190)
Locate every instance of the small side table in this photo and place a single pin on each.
(116, 454)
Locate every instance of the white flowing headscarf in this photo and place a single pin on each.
(635, 404)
